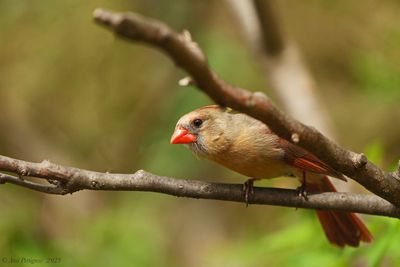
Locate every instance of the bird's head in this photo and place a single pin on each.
(203, 130)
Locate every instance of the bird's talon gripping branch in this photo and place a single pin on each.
(248, 189)
(302, 189)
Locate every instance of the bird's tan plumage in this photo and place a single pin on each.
(247, 146)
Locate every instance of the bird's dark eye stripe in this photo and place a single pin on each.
(197, 122)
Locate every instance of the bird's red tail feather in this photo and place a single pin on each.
(341, 228)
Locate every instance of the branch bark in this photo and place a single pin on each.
(187, 54)
(60, 180)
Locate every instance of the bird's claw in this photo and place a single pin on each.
(302, 191)
(248, 190)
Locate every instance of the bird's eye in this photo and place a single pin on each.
(197, 123)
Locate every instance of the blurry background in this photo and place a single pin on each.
(72, 93)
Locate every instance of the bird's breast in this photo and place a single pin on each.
(253, 158)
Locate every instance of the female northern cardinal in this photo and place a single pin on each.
(247, 146)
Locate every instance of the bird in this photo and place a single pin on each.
(248, 146)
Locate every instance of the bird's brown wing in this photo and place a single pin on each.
(304, 160)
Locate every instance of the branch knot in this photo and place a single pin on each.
(295, 137)
(359, 160)
(254, 98)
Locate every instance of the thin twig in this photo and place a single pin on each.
(5, 178)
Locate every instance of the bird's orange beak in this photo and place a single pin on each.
(182, 136)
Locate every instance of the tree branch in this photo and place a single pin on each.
(62, 180)
(187, 54)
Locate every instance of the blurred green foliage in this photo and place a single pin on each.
(72, 93)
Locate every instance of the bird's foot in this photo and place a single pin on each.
(302, 191)
(248, 190)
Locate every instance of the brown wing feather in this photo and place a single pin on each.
(304, 160)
